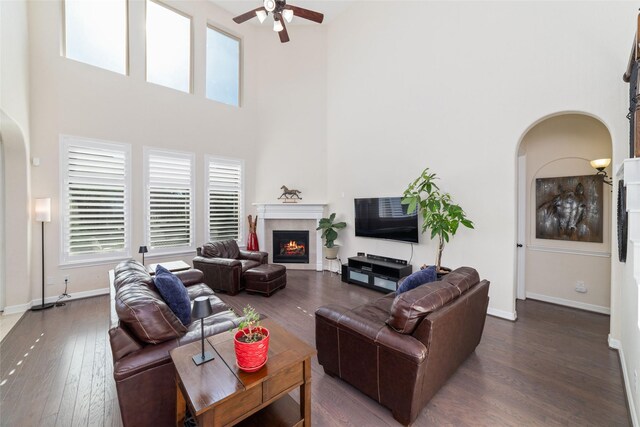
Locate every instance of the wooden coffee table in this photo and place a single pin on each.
(220, 394)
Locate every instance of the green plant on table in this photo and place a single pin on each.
(439, 213)
(250, 326)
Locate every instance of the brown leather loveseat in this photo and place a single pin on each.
(223, 264)
(399, 350)
(143, 331)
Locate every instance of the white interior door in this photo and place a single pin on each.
(521, 247)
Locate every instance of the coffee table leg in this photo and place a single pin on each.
(305, 394)
(181, 407)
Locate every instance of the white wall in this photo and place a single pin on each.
(73, 98)
(291, 148)
(454, 86)
(14, 133)
(563, 146)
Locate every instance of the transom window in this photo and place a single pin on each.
(168, 47)
(96, 33)
(223, 67)
(169, 195)
(225, 193)
(95, 201)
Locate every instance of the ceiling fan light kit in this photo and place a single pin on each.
(281, 12)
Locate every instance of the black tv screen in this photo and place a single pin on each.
(385, 218)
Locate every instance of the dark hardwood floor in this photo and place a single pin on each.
(551, 367)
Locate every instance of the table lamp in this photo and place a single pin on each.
(143, 250)
(201, 309)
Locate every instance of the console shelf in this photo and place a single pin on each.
(379, 275)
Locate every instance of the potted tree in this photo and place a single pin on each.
(251, 342)
(330, 234)
(439, 213)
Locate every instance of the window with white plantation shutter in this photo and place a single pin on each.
(224, 198)
(94, 206)
(169, 197)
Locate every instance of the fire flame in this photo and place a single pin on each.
(293, 248)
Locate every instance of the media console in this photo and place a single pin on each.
(375, 273)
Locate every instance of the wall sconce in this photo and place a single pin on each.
(600, 165)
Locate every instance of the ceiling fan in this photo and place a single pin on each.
(281, 12)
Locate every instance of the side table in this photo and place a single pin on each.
(218, 393)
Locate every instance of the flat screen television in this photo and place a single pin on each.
(385, 218)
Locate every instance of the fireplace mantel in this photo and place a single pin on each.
(291, 211)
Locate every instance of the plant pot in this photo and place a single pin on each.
(251, 356)
(331, 253)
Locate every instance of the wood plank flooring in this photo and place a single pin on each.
(551, 367)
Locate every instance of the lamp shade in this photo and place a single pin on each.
(262, 15)
(277, 26)
(143, 250)
(287, 14)
(201, 308)
(43, 210)
(600, 163)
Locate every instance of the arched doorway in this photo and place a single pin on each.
(563, 269)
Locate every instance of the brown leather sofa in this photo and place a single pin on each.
(399, 350)
(223, 265)
(143, 331)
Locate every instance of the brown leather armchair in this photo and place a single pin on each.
(223, 264)
(399, 350)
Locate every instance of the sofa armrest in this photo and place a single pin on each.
(190, 277)
(219, 262)
(382, 335)
(261, 257)
(122, 343)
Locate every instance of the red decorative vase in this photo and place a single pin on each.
(252, 243)
(251, 356)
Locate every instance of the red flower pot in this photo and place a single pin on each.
(251, 356)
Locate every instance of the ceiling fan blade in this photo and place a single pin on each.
(306, 13)
(246, 16)
(284, 35)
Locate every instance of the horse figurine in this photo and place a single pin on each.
(289, 194)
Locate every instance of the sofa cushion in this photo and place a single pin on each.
(146, 315)
(199, 290)
(409, 308)
(418, 278)
(222, 249)
(174, 293)
(462, 278)
(131, 271)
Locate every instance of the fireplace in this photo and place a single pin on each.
(291, 246)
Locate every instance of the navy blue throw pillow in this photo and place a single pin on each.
(418, 278)
(174, 293)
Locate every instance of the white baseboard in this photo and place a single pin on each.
(613, 343)
(502, 314)
(627, 381)
(569, 303)
(21, 308)
(15, 309)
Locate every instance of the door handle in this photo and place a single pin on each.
(519, 245)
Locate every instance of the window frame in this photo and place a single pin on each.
(171, 250)
(230, 161)
(127, 41)
(66, 259)
(190, 90)
(214, 27)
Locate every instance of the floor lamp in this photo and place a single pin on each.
(43, 214)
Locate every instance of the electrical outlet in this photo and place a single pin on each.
(51, 280)
(580, 287)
